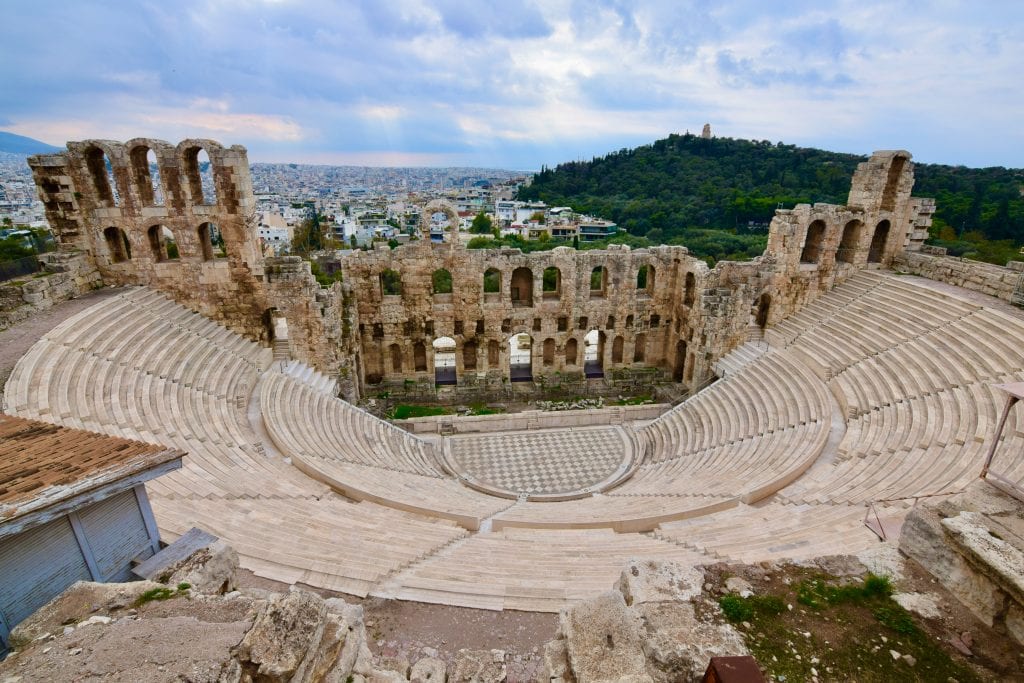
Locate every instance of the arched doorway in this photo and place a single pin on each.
(118, 246)
(812, 244)
(570, 351)
(764, 305)
(444, 361)
(593, 354)
(680, 361)
(520, 357)
(848, 244)
(878, 242)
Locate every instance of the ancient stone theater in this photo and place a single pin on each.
(827, 385)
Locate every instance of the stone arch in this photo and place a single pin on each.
(469, 355)
(690, 290)
(617, 345)
(892, 183)
(520, 359)
(118, 246)
(571, 351)
(639, 348)
(390, 282)
(101, 174)
(206, 233)
(143, 161)
(879, 239)
(492, 283)
(811, 252)
(549, 352)
(598, 282)
(848, 244)
(521, 287)
(679, 365)
(396, 358)
(162, 244)
(551, 283)
(419, 357)
(441, 281)
(201, 191)
(763, 310)
(444, 361)
(439, 206)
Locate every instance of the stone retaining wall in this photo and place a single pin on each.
(977, 276)
(66, 276)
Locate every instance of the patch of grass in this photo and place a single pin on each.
(161, 593)
(737, 609)
(818, 593)
(405, 411)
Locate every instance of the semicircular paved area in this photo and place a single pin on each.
(553, 461)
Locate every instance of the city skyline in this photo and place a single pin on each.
(518, 85)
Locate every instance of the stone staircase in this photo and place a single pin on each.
(740, 357)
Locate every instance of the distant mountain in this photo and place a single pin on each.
(19, 144)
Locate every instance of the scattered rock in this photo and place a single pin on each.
(910, 660)
(659, 581)
(919, 603)
(478, 666)
(207, 570)
(736, 584)
(428, 670)
(894, 654)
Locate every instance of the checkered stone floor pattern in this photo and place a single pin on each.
(558, 461)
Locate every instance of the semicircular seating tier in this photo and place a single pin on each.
(364, 508)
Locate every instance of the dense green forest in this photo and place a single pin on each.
(717, 196)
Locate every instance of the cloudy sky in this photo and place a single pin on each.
(514, 83)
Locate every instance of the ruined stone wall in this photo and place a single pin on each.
(65, 276)
(977, 276)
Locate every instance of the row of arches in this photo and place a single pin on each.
(149, 180)
(520, 357)
(162, 244)
(849, 243)
(522, 284)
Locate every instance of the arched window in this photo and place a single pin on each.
(396, 358)
(102, 174)
(655, 320)
(812, 244)
(892, 183)
(645, 280)
(390, 282)
(549, 352)
(211, 244)
(639, 348)
(146, 175)
(878, 242)
(118, 246)
(617, 349)
(598, 281)
(156, 243)
(469, 353)
(552, 283)
(690, 290)
(629, 321)
(199, 175)
(522, 287)
(441, 281)
(570, 352)
(848, 245)
(492, 285)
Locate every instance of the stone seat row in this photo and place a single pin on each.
(329, 543)
(770, 393)
(824, 307)
(306, 422)
(528, 569)
(796, 531)
(751, 469)
(310, 376)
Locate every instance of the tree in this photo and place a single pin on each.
(482, 224)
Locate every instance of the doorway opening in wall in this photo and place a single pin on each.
(520, 358)
(444, 362)
(593, 354)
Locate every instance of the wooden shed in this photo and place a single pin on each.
(73, 506)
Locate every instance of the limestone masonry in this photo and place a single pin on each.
(658, 313)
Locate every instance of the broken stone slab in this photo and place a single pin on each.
(678, 645)
(659, 581)
(209, 570)
(428, 670)
(924, 604)
(282, 638)
(602, 639)
(479, 666)
(997, 559)
(556, 662)
(192, 540)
